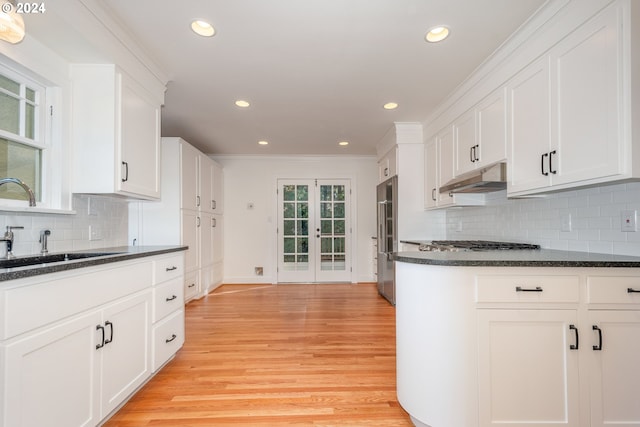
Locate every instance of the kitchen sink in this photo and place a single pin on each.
(47, 259)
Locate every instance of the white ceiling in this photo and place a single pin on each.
(315, 71)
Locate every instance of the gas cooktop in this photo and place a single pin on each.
(474, 245)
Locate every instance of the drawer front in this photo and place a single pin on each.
(527, 289)
(168, 338)
(613, 290)
(168, 268)
(168, 297)
(191, 285)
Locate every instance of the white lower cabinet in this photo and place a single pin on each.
(76, 373)
(75, 345)
(528, 367)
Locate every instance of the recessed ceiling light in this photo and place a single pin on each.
(202, 28)
(343, 143)
(242, 104)
(263, 142)
(437, 34)
(390, 106)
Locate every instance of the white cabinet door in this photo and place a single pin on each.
(530, 135)
(190, 177)
(447, 159)
(191, 223)
(218, 238)
(139, 141)
(218, 188)
(588, 67)
(431, 174)
(528, 370)
(206, 240)
(50, 377)
(466, 143)
(126, 357)
(613, 368)
(206, 184)
(492, 128)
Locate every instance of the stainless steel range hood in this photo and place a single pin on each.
(492, 178)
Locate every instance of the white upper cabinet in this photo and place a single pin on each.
(568, 118)
(530, 136)
(388, 165)
(480, 134)
(116, 133)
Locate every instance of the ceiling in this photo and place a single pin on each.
(316, 72)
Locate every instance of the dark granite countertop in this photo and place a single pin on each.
(518, 258)
(107, 255)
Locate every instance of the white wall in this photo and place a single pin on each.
(595, 220)
(250, 234)
(70, 231)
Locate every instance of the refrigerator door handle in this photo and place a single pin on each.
(382, 241)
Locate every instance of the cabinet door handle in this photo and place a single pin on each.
(542, 162)
(551, 169)
(577, 344)
(521, 289)
(198, 201)
(433, 194)
(633, 291)
(213, 205)
(171, 268)
(168, 340)
(101, 329)
(110, 325)
(191, 285)
(197, 221)
(214, 222)
(386, 171)
(471, 154)
(126, 172)
(171, 298)
(599, 346)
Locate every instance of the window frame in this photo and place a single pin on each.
(43, 138)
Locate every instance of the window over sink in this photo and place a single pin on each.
(24, 137)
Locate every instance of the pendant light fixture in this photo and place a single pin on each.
(11, 23)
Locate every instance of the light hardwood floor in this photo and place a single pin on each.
(278, 355)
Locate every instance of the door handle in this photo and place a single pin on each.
(171, 298)
(577, 344)
(542, 162)
(168, 340)
(599, 346)
(126, 172)
(553, 171)
(110, 325)
(101, 329)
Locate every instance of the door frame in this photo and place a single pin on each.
(351, 244)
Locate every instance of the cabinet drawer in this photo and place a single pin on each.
(613, 290)
(168, 268)
(167, 337)
(527, 289)
(167, 297)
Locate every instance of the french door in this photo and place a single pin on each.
(314, 230)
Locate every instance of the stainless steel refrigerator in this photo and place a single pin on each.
(387, 237)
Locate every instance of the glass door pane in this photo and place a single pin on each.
(294, 263)
(333, 231)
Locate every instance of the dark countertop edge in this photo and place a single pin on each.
(561, 262)
(124, 253)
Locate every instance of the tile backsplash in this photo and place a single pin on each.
(106, 216)
(586, 220)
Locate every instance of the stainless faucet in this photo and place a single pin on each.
(43, 239)
(8, 237)
(25, 187)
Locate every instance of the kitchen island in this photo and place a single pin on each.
(518, 338)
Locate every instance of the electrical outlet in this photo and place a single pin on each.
(628, 221)
(95, 233)
(259, 271)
